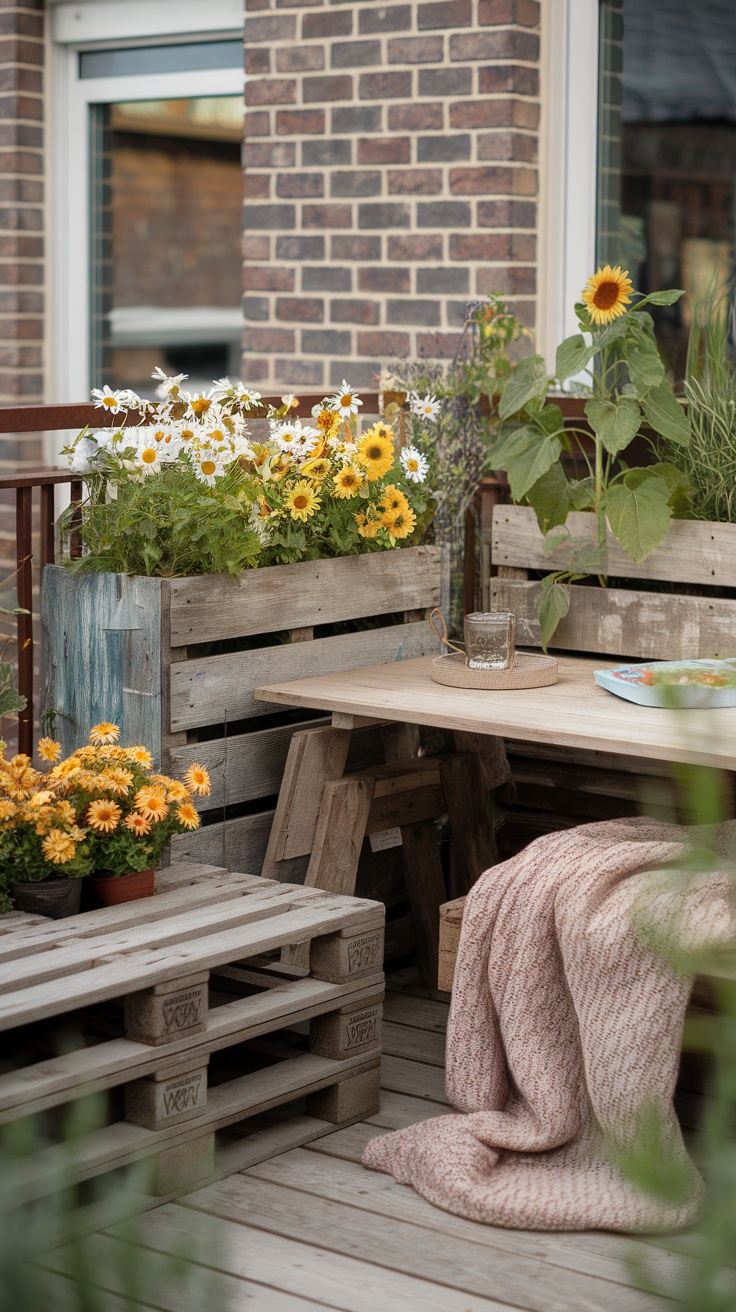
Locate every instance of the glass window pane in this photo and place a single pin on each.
(667, 151)
(184, 58)
(166, 234)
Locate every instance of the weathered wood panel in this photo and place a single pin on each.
(242, 768)
(693, 552)
(244, 840)
(312, 592)
(642, 625)
(220, 689)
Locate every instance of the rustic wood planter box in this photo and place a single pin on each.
(183, 682)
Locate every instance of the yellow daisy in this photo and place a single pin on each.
(376, 452)
(58, 847)
(151, 802)
(302, 501)
(187, 816)
(367, 526)
(347, 482)
(400, 523)
(104, 733)
(608, 293)
(316, 468)
(49, 749)
(197, 780)
(138, 824)
(393, 499)
(103, 815)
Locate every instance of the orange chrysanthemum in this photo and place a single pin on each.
(58, 847)
(138, 824)
(197, 780)
(103, 815)
(140, 755)
(187, 816)
(104, 733)
(49, 749)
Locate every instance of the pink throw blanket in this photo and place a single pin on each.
(562, 1021)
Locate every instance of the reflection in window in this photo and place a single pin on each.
(667, 151)
(166, 232)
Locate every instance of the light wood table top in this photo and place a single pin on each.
(574, 712)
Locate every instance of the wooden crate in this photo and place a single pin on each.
(183, 682)
(151, 994)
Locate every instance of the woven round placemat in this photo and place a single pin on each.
(528, 671)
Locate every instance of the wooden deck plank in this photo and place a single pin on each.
(346, 1228)
(422, 1013)
(413, 1044)
(416, 1078)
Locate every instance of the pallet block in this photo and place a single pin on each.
(184, 1013)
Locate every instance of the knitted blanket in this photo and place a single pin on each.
(563, 1022)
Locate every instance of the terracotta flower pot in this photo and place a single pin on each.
(111, 889)
(55, 898)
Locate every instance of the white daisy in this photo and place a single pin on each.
(106, 399)
(169, 384)
(107, 438)
(414, 464)
(245, 395)
(84, 451)
(346, 401)
(290, 401)
(148, 455)
(426, 407)
(222, 390)
(289, 436)
(207, 465)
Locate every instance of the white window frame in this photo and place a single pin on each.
(567, 221)
(107, 25)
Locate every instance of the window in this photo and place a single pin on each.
(667, 151)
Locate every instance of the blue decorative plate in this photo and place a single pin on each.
(688, 685)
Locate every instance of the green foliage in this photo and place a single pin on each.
(626, 391)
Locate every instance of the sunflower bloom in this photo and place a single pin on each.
(400, 523)
(138, 824)
(347, 482)
(393, 499)
(104, 733)
(58, 847)
(376, 453)
(302, 501)
(607, 294)
(187, 816)
(316, 468)
(49, 750)
(103, 815)
(197, 780)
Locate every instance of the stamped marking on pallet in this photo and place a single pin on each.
(156, 1103)
(363, 952)
(362, 1028)
(183, 1010)
(180, 1095)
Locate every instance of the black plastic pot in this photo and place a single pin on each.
(55, 898)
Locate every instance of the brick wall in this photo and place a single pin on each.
(390, 174)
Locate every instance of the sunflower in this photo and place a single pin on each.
(400, 523)
(376, 452)
(104, 733)
(187, 816)
(138, 824)
(347, 482)
(49, 749)
(393, 499)
(367, 527)
(197, 780)
(385, 431)
(58, 847)
(103, 815)
(608, 293)
(302, 501)
(140, 755)
(316, 468)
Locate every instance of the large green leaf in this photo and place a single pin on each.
(616, 423)
(665, 414)
(639, 515)
(572, 355)
(528, 381)
(534, 454)
(553, 604)
(551, 419)
(662, 298)
(645, 366)
(550, 498)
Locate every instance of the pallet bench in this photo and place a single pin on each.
(177, 1009)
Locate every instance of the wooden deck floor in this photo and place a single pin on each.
(313, 1229)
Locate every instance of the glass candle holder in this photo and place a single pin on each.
(490, 640)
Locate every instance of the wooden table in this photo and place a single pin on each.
(574, 712)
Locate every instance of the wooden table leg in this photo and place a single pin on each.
(340, 831)
(472, 840)
(315, 756)
(425, 884)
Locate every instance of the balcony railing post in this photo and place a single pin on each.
(24, 556)
(48, 521)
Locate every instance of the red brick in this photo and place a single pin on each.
(384, 86)
(316, 90)
(494, 113)
(337, 23)
(356, 247)
(269, 155)
(507, 280)
(21, 23)
(16, 51)
(385, 18)
(16, 107)
(481, 181)
(526, 182)
(448, 13)
(300, 309)
(497, 12)
(257, 123)
(384, 150)
(268, 339)
(383, 344)
(299, 59)
(270, 279)
(270, 91)
(257, 186)
(414, 118)
(300, 184)
(523, 246)
(256, 248)
(517, 146)
(327, 216)
(480, 246)
(507, 214)
(271, 28)
(506, 43)
(258, 60)
(355, 182)
(256, 371)
(383, 279)
(355, 54)
(500, 78)
(416, 49)
(354, 311)
(417, 246)
(437, 346)
(306, 122)
(427, 182)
